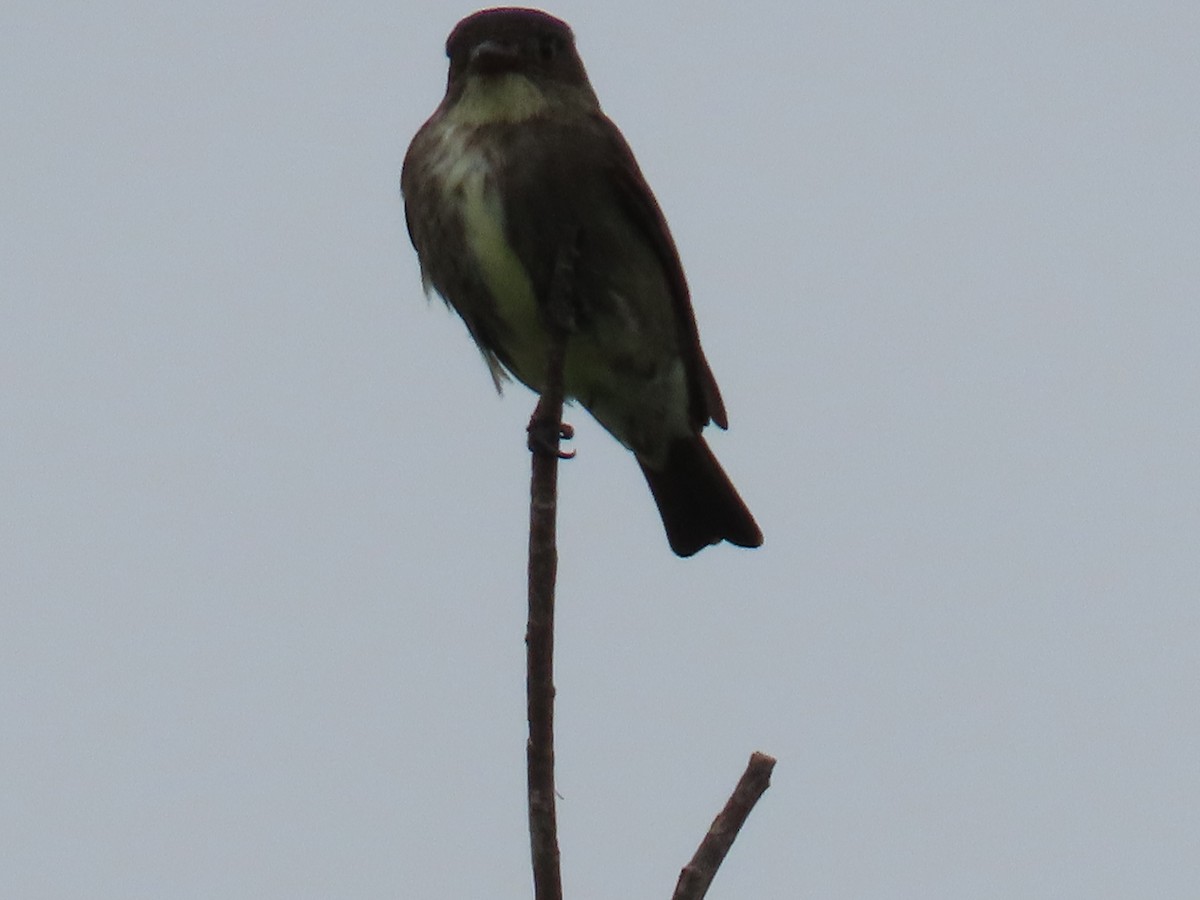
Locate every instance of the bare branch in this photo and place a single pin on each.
(545, 431)
(698, 874)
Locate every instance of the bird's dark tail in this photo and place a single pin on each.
(698, 503)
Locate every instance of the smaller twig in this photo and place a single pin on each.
(698, 874)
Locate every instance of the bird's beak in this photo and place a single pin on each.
(491, 57)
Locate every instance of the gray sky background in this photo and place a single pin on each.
(262, 525)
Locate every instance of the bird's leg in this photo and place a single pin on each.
(546, 427)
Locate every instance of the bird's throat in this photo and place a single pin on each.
(493, 99)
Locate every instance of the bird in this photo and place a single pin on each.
(518, 183)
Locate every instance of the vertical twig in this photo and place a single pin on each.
(545, 431)
(539, 637)
(698, 874)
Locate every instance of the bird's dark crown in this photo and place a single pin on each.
(511, 39)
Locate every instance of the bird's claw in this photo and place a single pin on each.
(544, 437)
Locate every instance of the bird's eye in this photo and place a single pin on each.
(547, 48)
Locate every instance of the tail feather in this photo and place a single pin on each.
(698, 503)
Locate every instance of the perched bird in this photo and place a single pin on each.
(518, 187)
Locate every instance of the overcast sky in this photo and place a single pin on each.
(262, 514)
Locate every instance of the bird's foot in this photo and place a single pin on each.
(544, 437)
